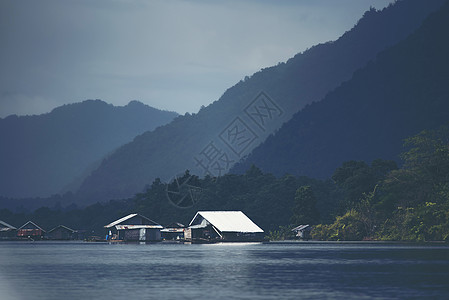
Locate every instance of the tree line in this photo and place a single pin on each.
(361, 201)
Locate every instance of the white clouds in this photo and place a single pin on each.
(174, 54)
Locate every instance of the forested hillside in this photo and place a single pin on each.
(219, 135)
(266, 199)
(405, 90)
(408, 204)
(45, 154)
(378, 201)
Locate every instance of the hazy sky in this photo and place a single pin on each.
(170, 54)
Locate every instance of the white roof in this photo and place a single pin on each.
(300, 227)
(121, 227)
(228, 221)
(129, 217)
(6, 225)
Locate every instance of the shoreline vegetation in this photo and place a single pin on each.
(361, 202)
(384, 203)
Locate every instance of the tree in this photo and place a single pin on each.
(357, 178)
(367, 213)
(304, 210)
(425, 174)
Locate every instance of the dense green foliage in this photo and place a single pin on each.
(267, 200)
(364, 202)
(407, 204)
(357, 178)
(304, 209)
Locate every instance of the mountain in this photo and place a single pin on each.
(43, 154)
(219, 135)
(405, 90)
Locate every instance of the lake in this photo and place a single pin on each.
(301, 270)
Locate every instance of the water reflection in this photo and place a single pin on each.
(221, 271)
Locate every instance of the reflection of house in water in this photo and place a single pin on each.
(7, 231)
(174, 231)
(222, 226)
(134, 227)
(30, 230)
(302, 232)
(62, 232)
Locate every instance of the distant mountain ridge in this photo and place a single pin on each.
(404, 91)
(42, 154)
(208, 142)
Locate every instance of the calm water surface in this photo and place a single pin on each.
(47, 270)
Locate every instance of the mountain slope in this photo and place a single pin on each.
(211, 141)
(42, 154)
(404, 91)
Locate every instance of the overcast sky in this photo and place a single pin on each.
(170, 54)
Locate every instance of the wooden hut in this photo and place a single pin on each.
(226, 226)
(62, 232)
(134, 227)
(7, 231)
(30, 230)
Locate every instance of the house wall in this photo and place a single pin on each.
(207, 233)
(29, 232)
(188, 234)
(152, 234)
(61, 234)
(131, 234)
(8, 233)
(172, 235)
(239, 236)
(142, 234)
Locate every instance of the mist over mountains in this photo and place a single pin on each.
(46, 154)
(221, 134)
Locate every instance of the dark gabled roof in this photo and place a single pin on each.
(119, 221)
(6, 225)
(64, 227)
(32, 223)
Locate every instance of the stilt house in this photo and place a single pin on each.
(30, 230)
(222, 226)
(62, 232)
(134, 227)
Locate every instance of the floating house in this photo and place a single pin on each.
(174, 231)
(30, 230)
(7, 231)
(62, 232)
(302, 231)
(134, 227)
(222, 226)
